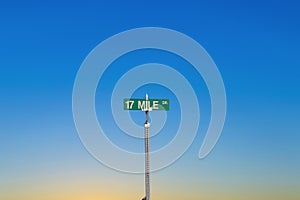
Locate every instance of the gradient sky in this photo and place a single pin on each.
(256, 46)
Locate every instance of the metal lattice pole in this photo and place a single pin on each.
(147, 108)
(147, 163)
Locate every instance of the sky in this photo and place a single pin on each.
(255, 45)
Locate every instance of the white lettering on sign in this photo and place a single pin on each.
(141, 105)
(155, 105)
(144, 105)
(129, 104)
(164, 102)
(148, 105)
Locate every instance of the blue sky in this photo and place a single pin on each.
(255, 45)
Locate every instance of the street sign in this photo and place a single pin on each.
(142, 104)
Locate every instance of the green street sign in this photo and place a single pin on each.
(143, 104)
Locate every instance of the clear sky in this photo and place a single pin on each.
(256, 46)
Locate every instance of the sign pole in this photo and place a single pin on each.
(147, 156)
(146, 105)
